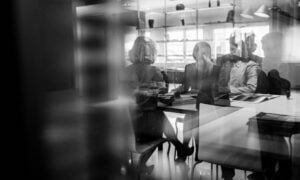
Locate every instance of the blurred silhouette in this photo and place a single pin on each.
(143, 83)
(274, 167)
(237, 73)
(262, 80)
(278, 85)
(251, 47)
(198, 77)
(272, 46)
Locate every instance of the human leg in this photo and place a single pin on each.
(227, 173)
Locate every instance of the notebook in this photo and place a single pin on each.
(253, 98)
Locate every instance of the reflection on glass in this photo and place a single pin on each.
(259, 32)
(175, 34)
(189, 47)
(175, 48)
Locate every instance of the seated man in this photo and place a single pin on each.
(237, 74)
(274, 167)
(262, 80)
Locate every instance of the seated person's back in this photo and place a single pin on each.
(198, 76)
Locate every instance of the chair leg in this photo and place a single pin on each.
(245, 173)
(176, 129)
(139, 175)
(169, 147)
(175, 153)
(211, 171)
(217, 172)
(160, 147)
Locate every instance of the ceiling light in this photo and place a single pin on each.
(262, 11)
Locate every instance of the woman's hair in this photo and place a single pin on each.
(143, 51)
(197, 48)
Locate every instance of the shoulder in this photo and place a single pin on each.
(188, 66)
(252, 64)
(256, 59)
(154, 69)
(222, 59)
(129, 69)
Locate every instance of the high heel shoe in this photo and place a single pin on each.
(183, 153)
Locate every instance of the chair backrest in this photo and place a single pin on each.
(278, 85)
(262, 83)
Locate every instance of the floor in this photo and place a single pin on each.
(166, 168)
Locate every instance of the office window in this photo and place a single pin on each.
(180, 46)
(175, 48)
(179, 42)
(259, 32)
(221, 39)
(175, 34)
(190, 47)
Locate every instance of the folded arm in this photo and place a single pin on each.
(251, 81)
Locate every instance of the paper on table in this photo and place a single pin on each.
(253, 98)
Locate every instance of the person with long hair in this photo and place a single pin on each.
(144, 81)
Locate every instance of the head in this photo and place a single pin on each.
(274, 74)
(202, 49)
(250, 43)
(143, 51)
(272, 45)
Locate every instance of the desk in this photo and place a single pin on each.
(226, 140)
(224, 137)
(185, 105)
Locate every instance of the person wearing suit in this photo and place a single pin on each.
(262, 79)
(198, 74)
(198, 79)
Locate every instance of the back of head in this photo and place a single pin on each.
(143, 51)
(272, 45)
(200, 49)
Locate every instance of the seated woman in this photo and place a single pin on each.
(199, 78)
(144, 82)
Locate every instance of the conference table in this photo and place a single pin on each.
(223, 132)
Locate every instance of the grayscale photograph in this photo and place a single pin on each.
(155, 89)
